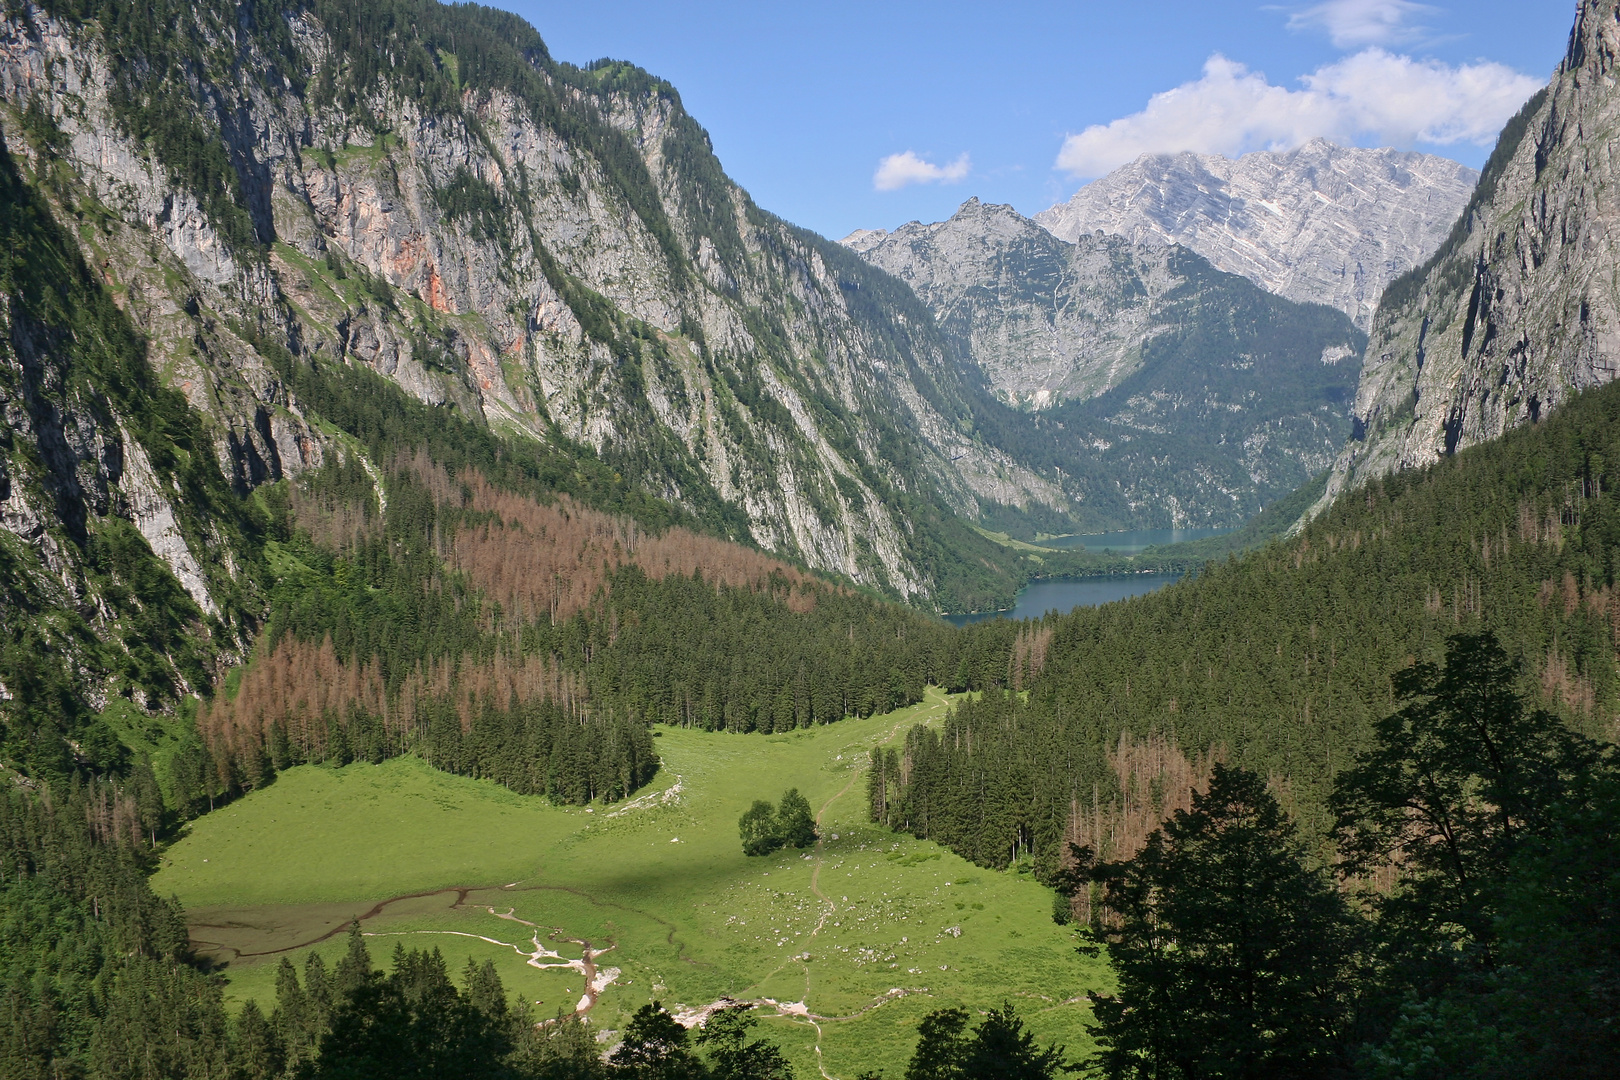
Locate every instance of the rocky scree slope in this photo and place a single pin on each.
(424, 192)
(1193, 392)
(1320, 224)
(1520, 308)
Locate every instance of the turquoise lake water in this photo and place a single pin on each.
(1066, 594)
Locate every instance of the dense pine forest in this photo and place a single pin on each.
(533, 642)
(1281, 660)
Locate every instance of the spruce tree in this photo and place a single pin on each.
(256, 1053)
(1002, 1050)
(941, 1045)
(354, 970)
(1232, 952)
(654, 1048)
(732, 1056)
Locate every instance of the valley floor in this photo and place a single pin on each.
(847, 945)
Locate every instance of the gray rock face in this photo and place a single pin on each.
(1520, 308)
(1046, 320)
(1320, 224)
(610, 288)
(1188, 394)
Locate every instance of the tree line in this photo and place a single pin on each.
(1491, 952)
(533, 642)
(1281, 661)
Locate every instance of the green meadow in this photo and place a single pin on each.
(848, 944)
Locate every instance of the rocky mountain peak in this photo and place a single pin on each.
(1133, 352)
(1282, 218)
(864, 240)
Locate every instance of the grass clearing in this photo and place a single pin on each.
(869, 931)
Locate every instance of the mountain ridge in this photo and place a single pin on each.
(550, 249)
(1517, 311)
(1172, 387)
(1281, 219)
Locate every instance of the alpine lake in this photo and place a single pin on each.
(1065, 594)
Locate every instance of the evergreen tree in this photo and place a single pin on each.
(654, 1048)
(1458, 778)
(795, 824)
(941, 1046)
(293, 1018)
(999, 1048)
(732, 1056)
(257, 1053)
(354, 970)
(1232, 953)
(1002, 1050)
(412, 1023)
(484, 990)
(1498, 946)
(148, 796)
(561, 1049)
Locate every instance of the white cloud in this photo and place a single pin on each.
(1371, 96)
(900, 170)
(1350, 23)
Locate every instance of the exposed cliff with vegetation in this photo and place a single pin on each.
(1517, 311)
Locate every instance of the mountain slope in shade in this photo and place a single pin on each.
(1320, 224)
(1180, 391)
(1520, 308)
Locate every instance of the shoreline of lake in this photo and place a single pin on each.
(1064, 594)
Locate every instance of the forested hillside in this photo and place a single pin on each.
(373, 384)
(1282, 660)
(533, 642)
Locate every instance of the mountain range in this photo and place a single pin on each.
(1318, 224)
(1196, 394)
(550, 251)
(412, 446)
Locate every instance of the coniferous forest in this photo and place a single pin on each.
(1491, 573)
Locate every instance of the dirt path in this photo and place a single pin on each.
(830, 910)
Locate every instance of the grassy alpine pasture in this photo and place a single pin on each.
(852, 942)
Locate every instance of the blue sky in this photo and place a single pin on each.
(815, 107)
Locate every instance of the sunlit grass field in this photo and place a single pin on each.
(868, 931)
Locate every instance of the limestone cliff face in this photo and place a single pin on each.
(1193, 393)
(1521, 306)
(1320, 224)
(1045, 319)
(552, 249)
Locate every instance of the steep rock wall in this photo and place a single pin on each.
(1521, 306)
(553, 250)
